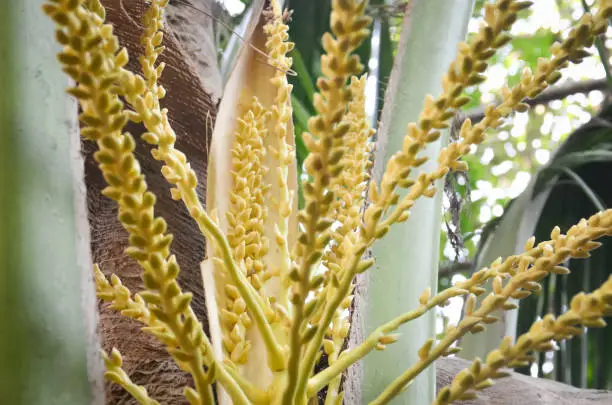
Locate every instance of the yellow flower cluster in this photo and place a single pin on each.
(496, 17)
(572, 49)
(115, 373)
(586, 310)
(120, 299)
(248, 212)
(349, 190)
(328, 128)
(278, 47)
(516, 277)
(325, 143)
(296, 294)
(463, 72)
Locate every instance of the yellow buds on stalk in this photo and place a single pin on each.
(115, 373)
(586, 310)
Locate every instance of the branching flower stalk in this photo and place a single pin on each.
(586, 310)
(523, 273)
(135, 308)
(247, 242)
(463, 72)
(326, 145)
(115, 373)
(283, 290)
(350, 192)
(278, 47)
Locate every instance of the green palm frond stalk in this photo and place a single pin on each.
(49, 352)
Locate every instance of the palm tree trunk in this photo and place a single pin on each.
(192, 114)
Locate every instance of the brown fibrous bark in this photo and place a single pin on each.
(192, 114)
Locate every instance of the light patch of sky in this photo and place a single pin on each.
(496, 78)
(519, 184)
(497, 210)
(582, 115)
(453, 310)
(502, 168)
(561, 126)
(547, 124)
(509, 148)
(519, 125)
(542, 156)
(233, 7)
(596, 97)
(487, 156)
(544, 14)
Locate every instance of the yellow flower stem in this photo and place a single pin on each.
(348, 25)
(104, 117)
(432, 118)
(295, 349)
(277, 46)
(120, 299)
(334, 383)
(350, 357)
(398, 385)
(255, 394)
(546, 73)
(248, 293)
(530, 85)
(282, 234)
(463, 72)
(586, 310)
(116, 374)
(577, 242)
(201, 381)
(196, 359)
(136, 308)
(349, 190)
(472, 284)
(490, 372)
(308, 360)
(333, 388)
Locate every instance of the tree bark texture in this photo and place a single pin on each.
(192, 113)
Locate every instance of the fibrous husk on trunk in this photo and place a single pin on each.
(191, 113)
